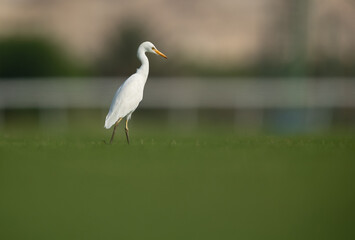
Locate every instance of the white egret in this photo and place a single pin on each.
(130, 93)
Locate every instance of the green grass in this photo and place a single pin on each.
(205, 184)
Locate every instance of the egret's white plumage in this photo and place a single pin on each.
(130, 94)
(126, 100)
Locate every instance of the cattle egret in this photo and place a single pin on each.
(130, 93)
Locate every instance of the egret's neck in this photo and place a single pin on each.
(144, 68)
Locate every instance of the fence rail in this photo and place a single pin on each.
(181, 93)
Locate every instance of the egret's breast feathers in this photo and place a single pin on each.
(126, 100)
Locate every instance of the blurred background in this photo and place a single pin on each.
(283, 72)
(281, 66)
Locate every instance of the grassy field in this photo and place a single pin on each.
(205, 184)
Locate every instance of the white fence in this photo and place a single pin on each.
(249, 95)
(185, 93)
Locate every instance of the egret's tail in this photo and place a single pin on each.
(107, 126)
(110, 120)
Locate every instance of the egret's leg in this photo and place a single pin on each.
(127, 136)
(114, 129)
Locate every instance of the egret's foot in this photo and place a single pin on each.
(114, 129)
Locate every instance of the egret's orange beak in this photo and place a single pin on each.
(160, 53)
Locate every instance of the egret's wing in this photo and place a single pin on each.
(126, 99)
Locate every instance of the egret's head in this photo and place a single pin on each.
(149, 47)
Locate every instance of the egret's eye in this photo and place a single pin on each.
(153, 48)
